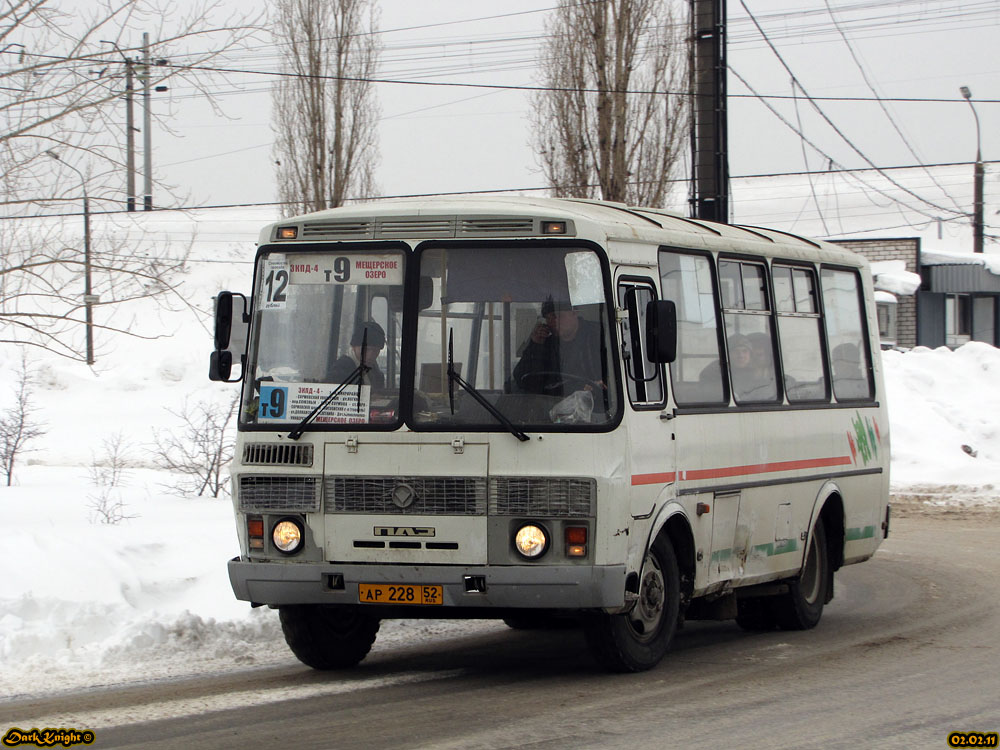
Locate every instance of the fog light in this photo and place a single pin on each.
(287, 536)
(531, 541)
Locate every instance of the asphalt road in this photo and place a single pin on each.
(906, 653)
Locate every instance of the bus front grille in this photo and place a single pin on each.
(553, 497)
(435, 496)
(284, 494)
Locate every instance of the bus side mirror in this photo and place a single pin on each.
(661, 331)
(232, 323)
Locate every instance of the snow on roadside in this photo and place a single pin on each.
(944, 416)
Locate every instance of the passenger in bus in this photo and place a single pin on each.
(751, 366)
(561, 355)
(347, 364)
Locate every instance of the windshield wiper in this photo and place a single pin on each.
(454, 377)
(357, 374)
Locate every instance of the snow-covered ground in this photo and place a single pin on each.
(86, 603)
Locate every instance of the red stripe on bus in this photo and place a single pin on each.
(735, 471)
(665, 478)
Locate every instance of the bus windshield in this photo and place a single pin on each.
(526, 328)
(505, 336)
(317, 317)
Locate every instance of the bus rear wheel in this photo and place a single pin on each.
(802, 606)
(327, 637)
(637, 640)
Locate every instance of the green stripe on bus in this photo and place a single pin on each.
(721, 554)
(781, 547)
(853, 535)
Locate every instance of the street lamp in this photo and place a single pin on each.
(977, 214)
(88, 297)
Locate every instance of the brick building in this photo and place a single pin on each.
(958, 300)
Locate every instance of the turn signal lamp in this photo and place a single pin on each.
(531, 541)
(255, 532)
(553, 227)
(288, 233)
(576, 541)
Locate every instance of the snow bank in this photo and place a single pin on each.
(944, 415)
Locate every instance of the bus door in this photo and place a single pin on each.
(651, 445)
(701, 426)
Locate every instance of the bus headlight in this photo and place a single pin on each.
(531, 541)
(287, 536)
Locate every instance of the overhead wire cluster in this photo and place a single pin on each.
(421, 60)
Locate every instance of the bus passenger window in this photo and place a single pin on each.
(799, 333)
(846, 334)
(749, 336)
(695, 374)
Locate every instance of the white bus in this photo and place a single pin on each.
(540, 409)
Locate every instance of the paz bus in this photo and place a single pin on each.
(543, 409)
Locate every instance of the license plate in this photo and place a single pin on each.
(391, 593)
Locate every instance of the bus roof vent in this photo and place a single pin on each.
(439, 226)
(339, 230)
(497, 226)
(274, 454)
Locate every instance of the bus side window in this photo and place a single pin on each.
(846, 334)
(799, 333)
(644, 378)
(695, 375)
(749, 333)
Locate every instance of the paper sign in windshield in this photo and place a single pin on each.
(274, 291)
(346, 269)
(293, 402)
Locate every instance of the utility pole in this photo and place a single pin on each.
(129, 138)
(977, 175)
(147, 135)
(89, 298)
(709, 133)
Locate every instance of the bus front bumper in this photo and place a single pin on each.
(510, 586)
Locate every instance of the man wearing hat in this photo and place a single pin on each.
(562, 354)
(344, 366)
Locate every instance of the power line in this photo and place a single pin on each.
(854, 147)
(871, 87)
(536, 188)
(98, 59)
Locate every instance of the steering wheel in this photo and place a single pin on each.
(596, 386)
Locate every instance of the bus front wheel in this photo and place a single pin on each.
(326, 637)
(638, 639)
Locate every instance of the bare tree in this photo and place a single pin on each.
(63, 76)
(612, 124)
(325, 113)
(108, 473)
(62, 73)
(18, 426)
(200, 450)
(41, 280)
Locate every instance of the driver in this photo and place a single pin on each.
(562, 354)
(344, 366)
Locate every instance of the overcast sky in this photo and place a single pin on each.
(446, 139)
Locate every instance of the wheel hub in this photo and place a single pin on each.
(646, 616)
